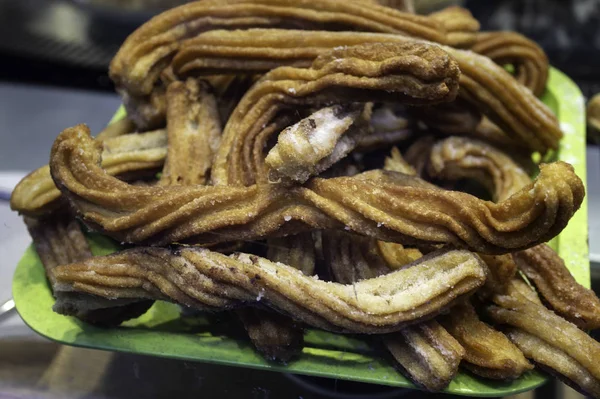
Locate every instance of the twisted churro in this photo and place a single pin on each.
(528, 59)
(315, 143)
(547, 271)
(146, 52)
(194, 133)
(426, 353)
(484, 85)
(547, 338)
(36, 194)
(461, 28)
(208, 280)
(456, 158)
(488, 352)
(58, 240)
(402, 72)
(381, 204)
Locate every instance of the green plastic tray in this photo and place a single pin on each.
(162, 331)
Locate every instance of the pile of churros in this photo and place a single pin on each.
(332, 164)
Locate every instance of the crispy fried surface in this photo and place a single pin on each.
(402, 72)
(207, 280)
(141, 59)
(194, 133)
(547, 338)
(426, 353)
(547, 271)
(485, 85)
(488, 352)
(535, 214)
(528, 59)
(58, 240)
(37, 195)
(457, 158)
(461, 28)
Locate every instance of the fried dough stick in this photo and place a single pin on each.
(207, 280)
(548, 339)
(461, 28)
(131, 154)
(528, 59)
(146, 53)
(425, 352)
(194, 133)
(456, 158)
(488, 352)
(410, 73)
(569, 299)
(382, 204)
(58, 240)
(484, 85)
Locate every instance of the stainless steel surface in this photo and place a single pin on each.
(6, 308)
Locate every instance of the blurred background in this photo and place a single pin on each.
(54, 57)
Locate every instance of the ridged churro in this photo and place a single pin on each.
(547, 338)
(527, 58)
(37, 195)
(381, 204)
(488, 352)
(194, 133)
(58, 240)
(547, 271)
(425, 352)
(461, 28)
(485, 85)
(208, 280)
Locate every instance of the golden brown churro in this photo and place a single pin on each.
(457, 158)
(58, 240)
(408, 73)
(461, 28)
(208, 280)
(527, 58)
(381, 204)
(548, 339)
(547, 271)
(484, 85)
(488, 352)
(194, 131)
(426, 353)
(129, 154)
(141, 59)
